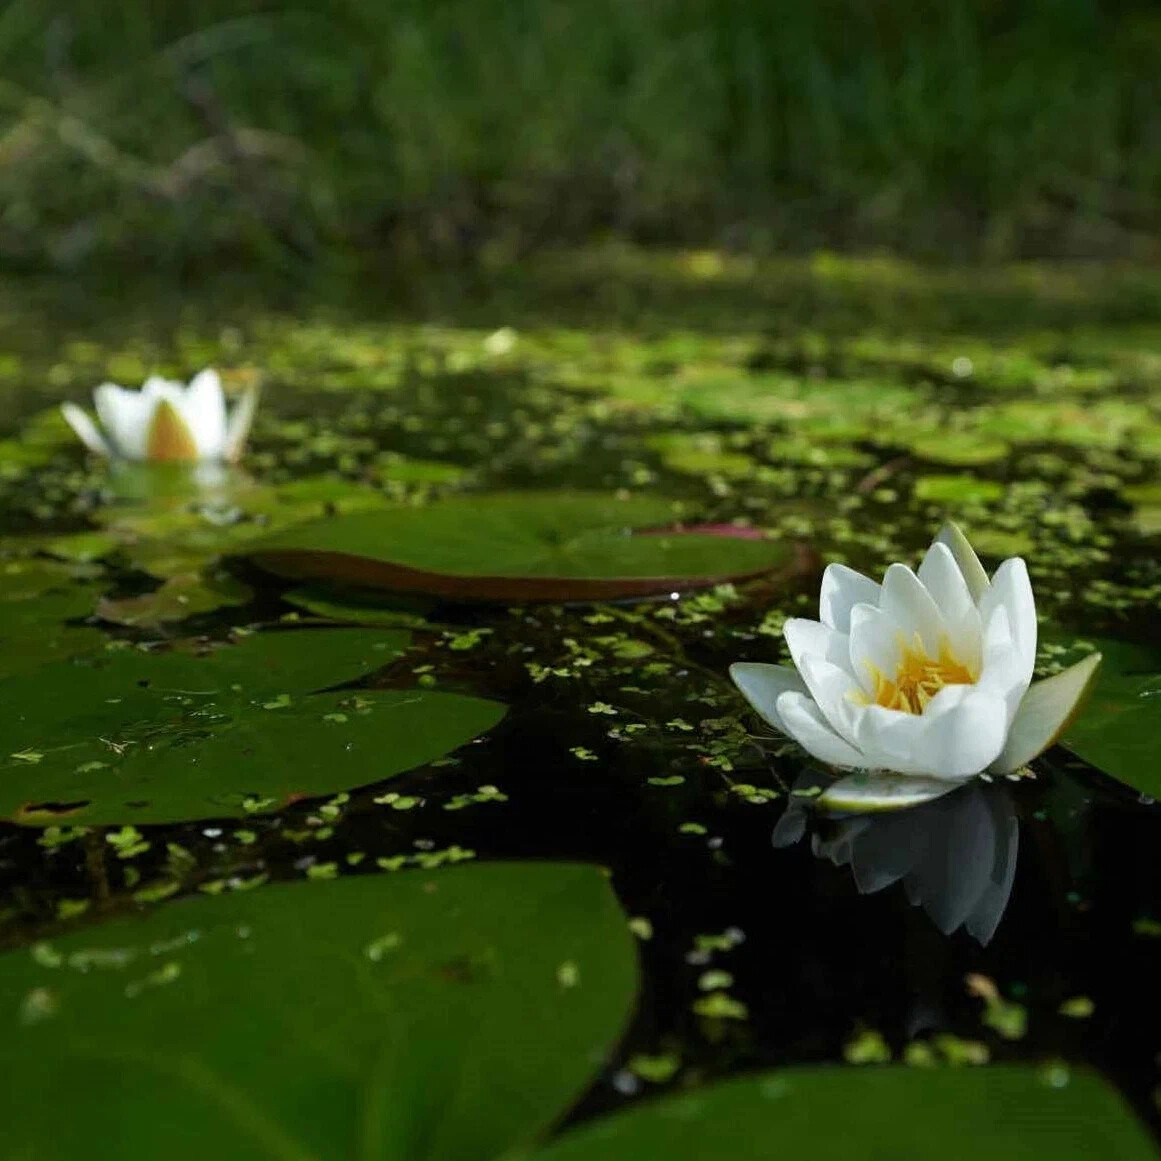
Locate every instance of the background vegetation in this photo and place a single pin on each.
(173, 133)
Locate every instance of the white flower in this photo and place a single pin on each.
(166, 421)
(924, 680)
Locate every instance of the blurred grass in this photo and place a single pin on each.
(178, 134)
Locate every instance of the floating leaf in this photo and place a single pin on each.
(960, 448)
(359, 607)
(1119, 730)
(703, 454)
(866, 1114)
(404, 470)
(531, 546)
(132, 737)
(37, 599)
(963, 489)
(407, 1016)
(180, 596)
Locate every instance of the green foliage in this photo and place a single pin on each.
(137, 737)
(1119, 731)
(284, 132)
(1008, 1113)
(414, 1017)
(520, 546)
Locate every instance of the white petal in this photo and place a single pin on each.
(959, 734)
(203, 408)
(812, 638)
(966, 739)
(85, 428)
(1002, 670)
(1045, 713)
(156, 389)
(880, 790)
(965, 556)
(942, 578)
(1012, 590)
(762, 685)
(842, 589)
(908, 603)
(238, 425)
(805, 724)
(835, 692)
(125, 416)
(876, 643)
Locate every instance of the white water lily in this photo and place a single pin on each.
(919, 682)
(166, 421)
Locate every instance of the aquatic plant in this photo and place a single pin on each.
(927, 675)
(166, 421)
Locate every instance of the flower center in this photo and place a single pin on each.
(170, 439)
(918, 677)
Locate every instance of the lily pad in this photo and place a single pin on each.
(134, 737)
(358, 607)
(703, 454)
(180, 596)
(1007, 1113)
(35, 632)
(960, 448)
(962, 489)
(37, 599)
(445, 1018)
(1119, 731)
(524, 546)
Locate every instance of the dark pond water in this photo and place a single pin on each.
(625, 744)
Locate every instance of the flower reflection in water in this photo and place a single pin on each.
(956, 855)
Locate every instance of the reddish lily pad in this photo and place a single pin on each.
(537, 546)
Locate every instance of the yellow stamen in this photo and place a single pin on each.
(170, 439)
(918, 677)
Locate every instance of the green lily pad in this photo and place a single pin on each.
(701, 454)
(418, 1017)
(35, 632)
(405, 470)
(1119, 731)
(962, 489)
(960, 448)
(521, 546)
(360, 607)
(25, 577)
(1006, 1113)
(37, 599)
(180, 596)
(133, 737)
